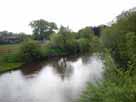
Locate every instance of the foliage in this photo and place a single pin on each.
(86, 32)
(131, 43)
(83, 44)
(69, 43)
(63, 30)
(30, 51)
(49, 50)
(42, 29)
(65, 43)
(118, 85)
(115, 37)
(96, 45)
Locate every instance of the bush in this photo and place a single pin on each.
(114, 37)
(117, 86)
(83, 44)
(131, 49)
(29, 51)
(59, 43)
(96, 45)
(71, 47)
(48, 51)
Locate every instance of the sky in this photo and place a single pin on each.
(15, 15)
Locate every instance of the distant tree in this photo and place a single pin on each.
(65, 33)
(7, 37)
(97, 30)
(64, 40)
(64, 30)
(6, 33)
(86, 32)
(23, 36)
(42, 29)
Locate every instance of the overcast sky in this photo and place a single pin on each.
(15, 15)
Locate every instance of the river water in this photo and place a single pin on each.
(59, 80)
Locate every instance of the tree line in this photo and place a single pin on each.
(119, 77)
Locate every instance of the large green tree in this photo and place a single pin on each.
(42, 29)
(64, 39)
(114, 36)
(86, 32)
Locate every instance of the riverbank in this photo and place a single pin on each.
(6, 52)
(59, 45)
(119, 77)
(4, 67)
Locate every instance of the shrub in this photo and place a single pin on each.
(96, 45)
(117, 86)
(29, 51)
(83, 44)
(65, 44)
(131, 49)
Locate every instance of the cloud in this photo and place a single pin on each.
(16, 14)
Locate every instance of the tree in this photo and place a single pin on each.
(114, 37)
(42, 29)
(86, 32)
(131, 49)
(30, 51)
(63, 30)
(66, 34)
(97, 30)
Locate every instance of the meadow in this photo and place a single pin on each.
(7, 51)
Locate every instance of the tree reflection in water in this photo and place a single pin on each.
(63, 67)
(31, 69)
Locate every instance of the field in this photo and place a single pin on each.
(6, 54)
(5, 49)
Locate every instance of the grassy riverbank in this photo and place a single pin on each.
(29, 51)
(9, 66)
(7, 52)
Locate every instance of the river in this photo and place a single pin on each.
(59, 80)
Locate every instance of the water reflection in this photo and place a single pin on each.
(60, 80)
(31, 69)
(63, 68)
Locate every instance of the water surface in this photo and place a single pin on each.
(59, 80)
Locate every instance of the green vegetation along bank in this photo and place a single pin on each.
(119, 78)
(8, 57)
(63, 43)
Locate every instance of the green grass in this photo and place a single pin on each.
(6, 57)
(8, 48)
(9, 66)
